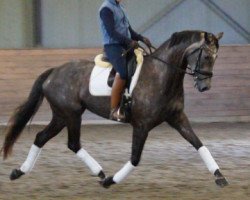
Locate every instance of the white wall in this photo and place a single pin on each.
(74, 23)
(193, 14)
(16, 24)
(71, 23)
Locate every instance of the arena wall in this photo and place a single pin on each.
(228, 99)
(74, 23)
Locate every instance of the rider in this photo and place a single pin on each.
(117, 37)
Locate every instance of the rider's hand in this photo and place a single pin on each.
(134, 44)
(146, 41)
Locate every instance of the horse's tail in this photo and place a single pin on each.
(24, 113)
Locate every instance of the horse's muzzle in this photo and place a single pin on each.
(203, 87)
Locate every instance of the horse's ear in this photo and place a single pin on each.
(204, 35)
(208, 37)
(219, 35)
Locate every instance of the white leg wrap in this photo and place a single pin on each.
(89, 161)
(31, 159)
(124, 172)
(208, 159)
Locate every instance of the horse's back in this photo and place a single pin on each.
(62, 87)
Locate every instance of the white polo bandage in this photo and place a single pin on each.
(92, 164)
(31, 159)
(208, 159)
(124, 172)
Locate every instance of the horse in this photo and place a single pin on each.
(158, 97)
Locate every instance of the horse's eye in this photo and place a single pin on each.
(207, 57)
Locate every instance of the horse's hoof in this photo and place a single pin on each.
(221, 181)
(101, 175)
(15, 174)
(107, 182)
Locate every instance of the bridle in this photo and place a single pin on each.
(197, 72)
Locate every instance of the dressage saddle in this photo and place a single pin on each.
(131, 67)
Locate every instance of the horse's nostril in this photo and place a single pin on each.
(204, 89)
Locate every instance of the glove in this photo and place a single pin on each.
(146, 41)
(134, 44)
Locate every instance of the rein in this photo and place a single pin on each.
(166, 63)
(197, 71)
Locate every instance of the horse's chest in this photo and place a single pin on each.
(174, 105)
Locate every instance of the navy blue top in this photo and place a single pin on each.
(107, 17)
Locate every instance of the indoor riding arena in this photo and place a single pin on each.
(42, 34)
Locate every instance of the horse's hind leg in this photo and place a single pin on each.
(74, 132)
(182, 125)
(54, 127)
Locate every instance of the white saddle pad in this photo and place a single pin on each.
(98, 85)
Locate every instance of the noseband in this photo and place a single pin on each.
(198, 71)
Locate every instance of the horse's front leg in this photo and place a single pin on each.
(181, 123)
(138, 141)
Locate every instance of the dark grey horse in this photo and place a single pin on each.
(158, 97)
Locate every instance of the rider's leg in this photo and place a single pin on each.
(114, 54)
(116, 95)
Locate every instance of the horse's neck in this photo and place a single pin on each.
(167, 68)
(173, 55)
(172, 72)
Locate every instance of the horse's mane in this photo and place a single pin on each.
(184, 37)
(180, 40)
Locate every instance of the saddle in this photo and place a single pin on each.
(102, 78)
(133, 59)
(102, 72)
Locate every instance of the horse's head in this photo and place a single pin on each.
(200, 57)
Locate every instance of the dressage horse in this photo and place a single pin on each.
(158, 97)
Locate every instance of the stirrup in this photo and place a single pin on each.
(116, 115)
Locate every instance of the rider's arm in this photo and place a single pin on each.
(134, 35)
(107, 17)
